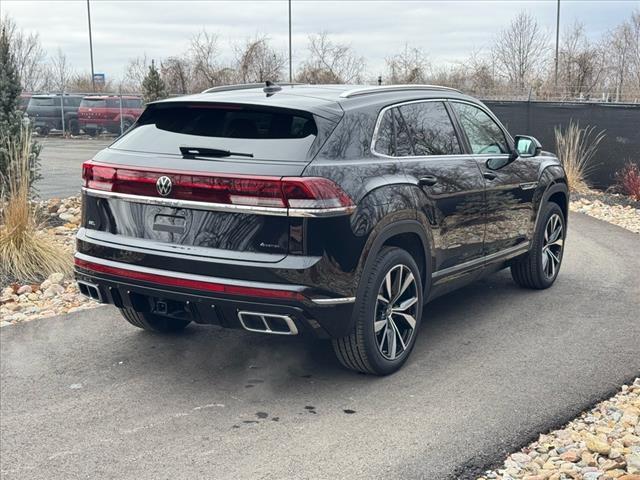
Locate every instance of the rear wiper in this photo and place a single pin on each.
(193, 152)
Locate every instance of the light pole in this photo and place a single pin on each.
(93, 80)
(290, 59)
(557, 41)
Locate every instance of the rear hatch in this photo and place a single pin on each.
(204, 178)
(45, 107)
(98, 109)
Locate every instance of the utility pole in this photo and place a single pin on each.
(93, 80)
(557, 41)
(290, 59)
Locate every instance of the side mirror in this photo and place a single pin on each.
(527, 146)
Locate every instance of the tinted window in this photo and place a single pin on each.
(385, 135)
(393, 137)
(44, 101)
(71, 101)
(267, 133)
(93, 103)
(430, 128)
(132, 103)
(485, 136)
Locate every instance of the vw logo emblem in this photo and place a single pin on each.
(163, 185)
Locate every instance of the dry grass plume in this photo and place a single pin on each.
(27, 253)
(575, 148)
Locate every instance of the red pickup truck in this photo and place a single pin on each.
(104, 113)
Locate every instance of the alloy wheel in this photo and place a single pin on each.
(552, 246)
(396, 312)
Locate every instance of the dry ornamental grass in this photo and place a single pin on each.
(26, 254)
(576, 147)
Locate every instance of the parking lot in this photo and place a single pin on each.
(61, 161)
(88, 396)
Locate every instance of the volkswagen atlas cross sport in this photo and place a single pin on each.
(330, 211)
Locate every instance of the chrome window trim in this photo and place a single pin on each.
(409, 157)
(221, 207)
(507, 135)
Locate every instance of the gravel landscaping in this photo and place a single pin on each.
(610, 207)
(601, 444)
(58, 294)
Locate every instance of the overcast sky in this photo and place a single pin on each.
(447, 31)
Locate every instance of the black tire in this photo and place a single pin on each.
(361, 350)
(92, 132)
(126, 125)
(532, 270)
(74, 128)
(153, 323)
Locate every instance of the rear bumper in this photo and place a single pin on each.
(211, 300)
(98, 123)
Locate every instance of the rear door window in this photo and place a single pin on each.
(266, 133)
(416, 129)
(430, 127)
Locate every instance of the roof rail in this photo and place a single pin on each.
(354, 92)
(244, 86)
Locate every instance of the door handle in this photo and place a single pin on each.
(428, 180)
(489, 175)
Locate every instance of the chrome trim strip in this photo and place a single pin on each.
(187, 276)
(293, 330)
(479, 262)
(334, 301)
(483, 108)
(222, 207)
(528, 185)
(393, 88)
(321, 212)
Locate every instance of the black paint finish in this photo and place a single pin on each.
(450, 211)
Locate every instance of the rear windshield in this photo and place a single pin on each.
(44, 101)
(266, 133)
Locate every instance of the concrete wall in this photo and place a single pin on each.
(621, 123)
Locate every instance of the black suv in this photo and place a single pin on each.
(334, 211)
(46, 112)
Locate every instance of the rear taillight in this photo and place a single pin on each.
(296, 193)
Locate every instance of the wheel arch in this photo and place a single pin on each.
(408, 235)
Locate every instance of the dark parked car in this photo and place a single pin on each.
(333, 211)
(45, 112)
(105, 113)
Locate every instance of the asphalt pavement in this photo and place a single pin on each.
(89, 396)
(61, 164)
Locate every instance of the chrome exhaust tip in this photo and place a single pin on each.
(90, 290)
(267, 323)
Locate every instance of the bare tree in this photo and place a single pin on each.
(330, 62)
(480, 71)
(257, 61)
(520, 50)
(61, 71)
(28, 53)
(580, 62)
(135, 72)
(207, 70)
(408, 66)
(618, 52)
(176, 73)
(634, 54)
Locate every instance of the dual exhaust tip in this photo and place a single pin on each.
(90, 290)
(250, 321)
(267, 323)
